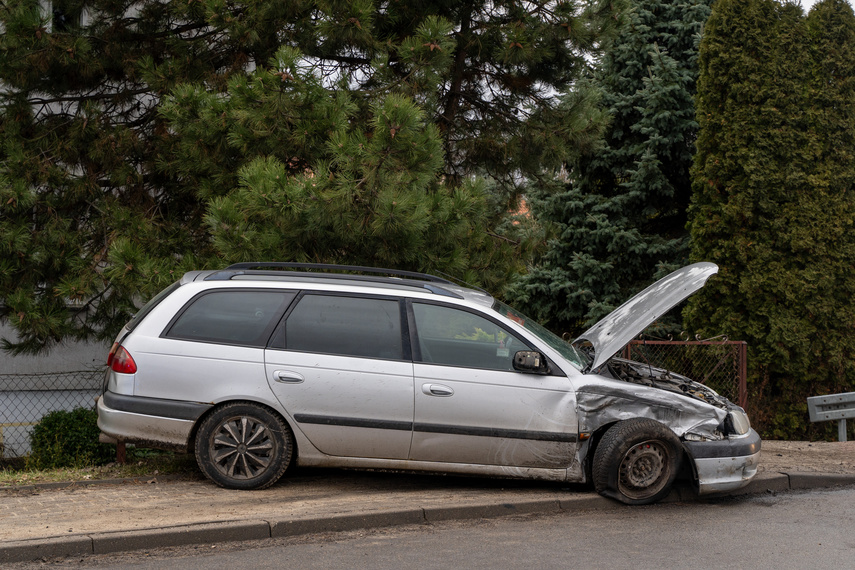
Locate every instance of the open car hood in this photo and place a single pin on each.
(620, 326)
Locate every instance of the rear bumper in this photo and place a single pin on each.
(144, 429)
(725, 465)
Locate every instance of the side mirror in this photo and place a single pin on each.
(531, 361)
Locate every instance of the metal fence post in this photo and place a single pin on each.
(743, 374)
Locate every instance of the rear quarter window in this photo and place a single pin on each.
(244, 318)
(148, 307)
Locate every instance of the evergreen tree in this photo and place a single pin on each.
(327, 187)
(774, 201)
(108, 191)
(621, 215)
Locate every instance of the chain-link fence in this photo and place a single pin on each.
(721, 365)
(25, 398)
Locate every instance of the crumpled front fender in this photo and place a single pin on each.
(606, 402)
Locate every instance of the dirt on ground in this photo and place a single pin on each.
(810, 457)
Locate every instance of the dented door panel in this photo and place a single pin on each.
(494, 418)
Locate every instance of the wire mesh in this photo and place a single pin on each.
(720, 365)
(26, 398)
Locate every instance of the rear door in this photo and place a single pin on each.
(341, 366)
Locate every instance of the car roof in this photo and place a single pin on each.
(374, 279)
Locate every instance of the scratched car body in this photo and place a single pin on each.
(260, 364)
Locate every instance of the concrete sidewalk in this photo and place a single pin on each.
(77, 519)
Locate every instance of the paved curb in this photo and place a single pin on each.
(313, 525)
(239, 530)
(812, 480)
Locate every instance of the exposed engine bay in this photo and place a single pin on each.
(647, 375)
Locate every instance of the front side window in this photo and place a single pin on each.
(576, 357)
(347, 326)
(231, 317)
(459, 338)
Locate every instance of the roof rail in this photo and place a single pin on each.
(334, 267)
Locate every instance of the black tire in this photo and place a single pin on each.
(637, 461)
(224, 456)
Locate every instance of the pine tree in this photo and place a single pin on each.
(324, 188)
(774, 201)
(621, 215)
(126, 153)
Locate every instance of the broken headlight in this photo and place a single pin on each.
(688, 436)
(736, 423)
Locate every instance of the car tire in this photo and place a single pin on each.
(244, 446)
(637, 461)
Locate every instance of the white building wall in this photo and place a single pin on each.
(63, 358)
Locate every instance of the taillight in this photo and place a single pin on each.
(112, 353)
(121, 361)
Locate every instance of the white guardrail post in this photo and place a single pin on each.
(838, 407)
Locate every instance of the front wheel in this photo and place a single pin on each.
(243, 446)
(637, 461)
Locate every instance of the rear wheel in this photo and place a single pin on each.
(243, 446)
(637, 461)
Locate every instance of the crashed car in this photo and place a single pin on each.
(259, 366)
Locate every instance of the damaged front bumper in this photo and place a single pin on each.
(724, 465)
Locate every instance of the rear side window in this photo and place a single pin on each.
(347, 326)
(231, 317)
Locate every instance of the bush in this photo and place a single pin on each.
(68, 439)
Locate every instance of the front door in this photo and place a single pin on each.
(471, 406)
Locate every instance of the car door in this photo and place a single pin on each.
(340, 366)
(471, 406)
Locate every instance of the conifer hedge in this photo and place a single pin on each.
(774, 200)
(619, 212)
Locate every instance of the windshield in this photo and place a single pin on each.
(574, 356)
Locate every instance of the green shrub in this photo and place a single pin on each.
(68, 439)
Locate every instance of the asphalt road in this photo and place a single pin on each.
(814, 529)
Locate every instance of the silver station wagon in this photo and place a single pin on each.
(262, 365)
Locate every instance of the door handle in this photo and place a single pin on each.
(437, 390)
(287, 376)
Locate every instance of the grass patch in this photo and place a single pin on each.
(140, 463)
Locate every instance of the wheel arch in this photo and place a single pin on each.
(191, 439)
(593, 442)
(688, 469)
